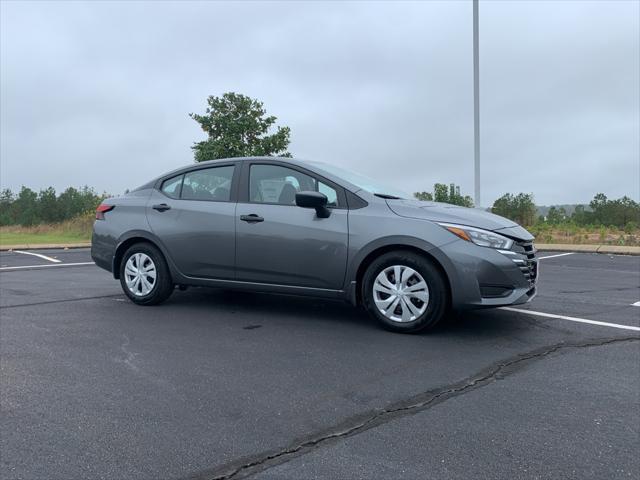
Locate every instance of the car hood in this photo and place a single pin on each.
(444, 212)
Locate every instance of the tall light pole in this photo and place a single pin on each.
(476, 107)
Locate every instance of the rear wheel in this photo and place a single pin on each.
(405, 292)
(144, 275)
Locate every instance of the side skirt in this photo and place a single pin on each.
(261, 287)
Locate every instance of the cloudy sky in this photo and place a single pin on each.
(99, 93)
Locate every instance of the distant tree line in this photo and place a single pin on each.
(619, 213)
(623, 213)
(29, 207)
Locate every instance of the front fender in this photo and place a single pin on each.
(363, 255)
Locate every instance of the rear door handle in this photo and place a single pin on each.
(161, 207)
(253, 218)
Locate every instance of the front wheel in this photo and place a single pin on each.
(144, 275)
(405, 292)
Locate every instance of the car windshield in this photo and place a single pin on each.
(363, 182)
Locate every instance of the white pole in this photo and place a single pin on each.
(476, 107)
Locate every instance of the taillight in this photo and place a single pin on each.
(102, 209)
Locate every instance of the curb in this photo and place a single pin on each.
(44, 246)
(566, 247)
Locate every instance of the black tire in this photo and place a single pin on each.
(438, 300)
(163, 285)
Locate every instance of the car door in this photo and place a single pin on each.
(193, 215)
(278, 242)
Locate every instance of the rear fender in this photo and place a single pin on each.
(134, 236)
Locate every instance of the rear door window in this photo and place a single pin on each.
(212, 184)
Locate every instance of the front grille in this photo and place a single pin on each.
(528, 266)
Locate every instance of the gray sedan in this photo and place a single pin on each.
(309, 228)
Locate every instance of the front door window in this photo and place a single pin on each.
(278, 185)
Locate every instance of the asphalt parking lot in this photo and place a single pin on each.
(219, 384)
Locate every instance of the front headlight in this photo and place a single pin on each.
(483, 238)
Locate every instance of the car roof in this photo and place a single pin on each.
(243, 159)
(205, 163)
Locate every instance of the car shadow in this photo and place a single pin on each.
(476, 323)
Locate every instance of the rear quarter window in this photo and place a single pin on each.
(171, 187)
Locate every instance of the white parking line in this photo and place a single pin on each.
(22, 267)
(54, 260)
(558, 255)
(637, 304)
(572, 319)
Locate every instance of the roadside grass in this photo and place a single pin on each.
(590, 235)
(75, 230)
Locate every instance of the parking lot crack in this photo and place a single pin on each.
(248, 466)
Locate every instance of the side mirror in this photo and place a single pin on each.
(315, 200)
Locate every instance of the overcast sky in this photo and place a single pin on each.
(99, 93)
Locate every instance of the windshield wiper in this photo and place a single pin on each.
(387, 196)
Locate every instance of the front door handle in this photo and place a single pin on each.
(253, 218)
(161, 207)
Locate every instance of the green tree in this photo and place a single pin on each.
(626, 210)
(424, 196)
(580, 216)
(440, 193)
(26, 206)
(556, 215)
(68, 202)
(7, 211)
(444, 194)
(238, 126)
(519, 208)
(48, 210)
(615, 213)
(599, 206)
(456, 198)
(73, 202)
(89, 200)
(504, 206)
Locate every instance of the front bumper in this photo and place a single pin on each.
(482, 277)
